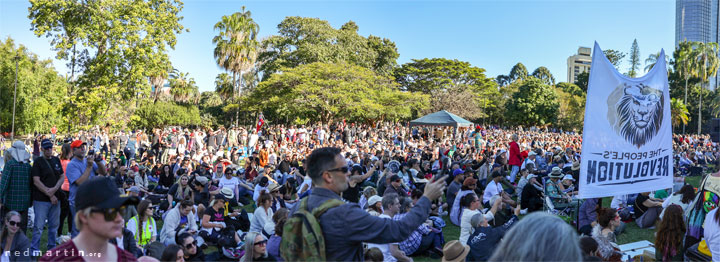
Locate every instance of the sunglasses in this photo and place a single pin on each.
(344, 169)
(14, 223)
(261, 243)
(190, 245)
(111, 213)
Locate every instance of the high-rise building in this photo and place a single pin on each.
(698, 21)
(579, 63)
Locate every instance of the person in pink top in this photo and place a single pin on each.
(515, 159)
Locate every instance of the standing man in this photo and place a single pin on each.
(53, 132)
(47, 175)
(79, 170)
(515, 160)
(347, 226)
(15, 183)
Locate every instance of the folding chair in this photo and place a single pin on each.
(564, 210)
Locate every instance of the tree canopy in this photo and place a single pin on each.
(535, 103)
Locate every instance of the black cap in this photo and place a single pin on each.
(102, 193)
(395, 178)
(497, 173)
(263, 181)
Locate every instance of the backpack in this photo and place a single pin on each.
(303, 239)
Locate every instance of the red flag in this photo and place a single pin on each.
(261, 121)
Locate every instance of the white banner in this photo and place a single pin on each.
(627, 138)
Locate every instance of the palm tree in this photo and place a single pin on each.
(182, 86)
(236, 46)
(683, 65)
(679, 112)
(652, 60)
(544, 74)
(224, 86)
(705, 65)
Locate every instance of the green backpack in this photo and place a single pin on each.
(302, 235)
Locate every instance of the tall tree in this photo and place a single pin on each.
(678, 112)
(534, 103)
(303, 40)
(652, 60)
(634, 59)
(614, 56)
(704, 67)
(518, 72)
(582, 81)
(114, 46)
(683, 61)
(224, 85)
(182, 86)
(544, 75)
(502, 80)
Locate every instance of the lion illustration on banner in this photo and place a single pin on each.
(636, 112)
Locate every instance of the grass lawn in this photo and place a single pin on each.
(451, 232)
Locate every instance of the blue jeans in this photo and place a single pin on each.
(74, 231)
(513, 173)
(45, 210)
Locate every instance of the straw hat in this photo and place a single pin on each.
(455, 252)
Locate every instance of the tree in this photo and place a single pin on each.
(325, 92)
(534, 103)
(571, 112)
(454, 85)
(679, 112)
(544, 75)
(163, 114)
(303, 40)
(614, 56)
(683, 61)
(182, 86)
(634, 59)
(652, 60)
(41, 91)
(236, 46)
(572, 89)
(224, 86)
(518, 72)
(502, 80)
(582, 81)
(705, 65)
(114, 46)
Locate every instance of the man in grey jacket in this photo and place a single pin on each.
(180, 218)
(346, 227)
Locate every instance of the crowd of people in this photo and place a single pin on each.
(377, 192)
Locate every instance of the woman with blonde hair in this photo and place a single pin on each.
(256, 248)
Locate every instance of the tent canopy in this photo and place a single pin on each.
(441, 118)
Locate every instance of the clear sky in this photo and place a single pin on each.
(493, 35)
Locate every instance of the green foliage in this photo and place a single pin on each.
(454, 85)
(678, 112)
(518, 72)
(40, 91)
(570, 88)
(224, 85)
(236, 45)
(634, 59)
(304, 40)
(323, 91)
(544, 75)
(161, 114)
(652, 60)
(534, 103)
(582, 81)
(571, 113)
(614, 56)
(182, 86)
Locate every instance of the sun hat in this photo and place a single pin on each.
(227, 193)
(556, 172)
(201, 179)
(576, 166)
(454, 251)
(18, 152)
(374, 199)
(568, 177)
(101, 192)
(273, 187)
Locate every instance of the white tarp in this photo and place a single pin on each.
(627, 138)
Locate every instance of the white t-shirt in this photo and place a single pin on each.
(385, 248)
(618, 201)
(232, 183)
(712, 235)
(493, 188)
(258, 190)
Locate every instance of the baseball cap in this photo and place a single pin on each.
(374, 199)
(101, 192)
(201, 179)
(77, 143)
(394, 178)
(46, 143)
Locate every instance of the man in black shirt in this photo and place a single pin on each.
(47, 175)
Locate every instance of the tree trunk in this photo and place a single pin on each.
(685, 101)
(237, 111)
(700, 111)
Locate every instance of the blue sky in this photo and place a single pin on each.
(493, 35)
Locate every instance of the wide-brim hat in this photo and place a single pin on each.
(227, 193)
(454, 251)
(273, 187)
(556, 172)
(575, 166)
(18, 152)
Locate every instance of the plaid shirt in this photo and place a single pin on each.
(412, 243)
(15, 186)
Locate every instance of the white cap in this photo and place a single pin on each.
(568, 177)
